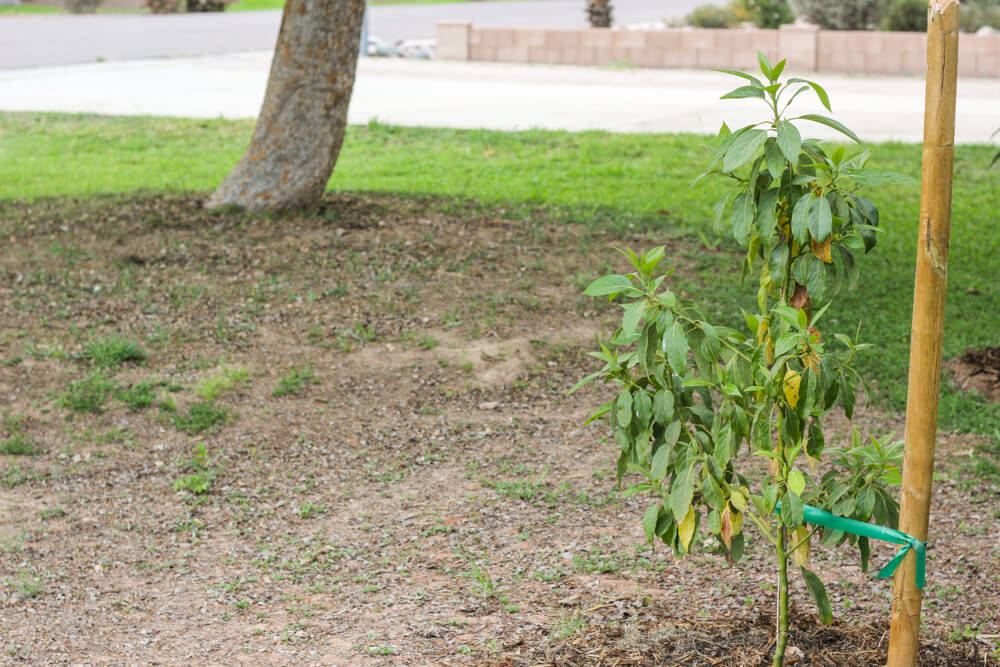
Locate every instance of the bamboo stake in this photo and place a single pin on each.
(928, 318)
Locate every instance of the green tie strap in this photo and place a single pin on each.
(818, 517)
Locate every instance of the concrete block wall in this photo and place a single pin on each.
(806, 48)
(661, 48)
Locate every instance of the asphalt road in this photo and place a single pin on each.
(64, 39)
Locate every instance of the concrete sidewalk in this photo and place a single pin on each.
(491, 95)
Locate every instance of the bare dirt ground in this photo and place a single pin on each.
(425, 493)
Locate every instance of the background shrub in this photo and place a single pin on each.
(976, 14)
(767, 13)
(841, 15)
(906, 16)
(712, 16)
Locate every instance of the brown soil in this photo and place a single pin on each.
(978, 370)
(434, 499)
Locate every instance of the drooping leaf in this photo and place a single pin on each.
(683, 491)
(675, 346)
(672, 432)
(685, 530)
(649, 521)
(791, 385)
(800, 218)
(634, 312)
(796, 481)
(820, 219)
(623, 409)
(818, 591)
(726, 527)
(743, 149)
(789, 141)
(742, 219)
(775, 160)
(815, 443)
(822, 250)
(791, 510)
(865, 549)
(766, 219)
(800, 542)
(815, 278)
(642, 405)
(663, 406)
(660, 461)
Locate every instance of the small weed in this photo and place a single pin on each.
(19, 442)
(294, 381)
(336, 291)
(358, 332)
(381, 650)
(209, 388)
(485, 586)
(195, 483)
(567, 626)
(438, 529)
(138, 396)
(15, 476)
(54, 513)
(549, 575)
(308, 510)
(201, 416)
(112, 351)
(26, 585)
(428, 342)
(88, 394)
(968, 633)
(202, 474)
(597, 563)
(528, 488)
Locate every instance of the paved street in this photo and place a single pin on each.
(63, 39)
(488, 95)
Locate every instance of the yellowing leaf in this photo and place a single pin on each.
(762, 330)
(813, 464)
(791, 387)
(801, 554)
(738, 500)
(726, 530)
(812, 362)
(797, 482)
(685, 531)
(822, 250)
(737, 519)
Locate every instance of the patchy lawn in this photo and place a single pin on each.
(344, 438)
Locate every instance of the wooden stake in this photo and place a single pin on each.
(928, 318)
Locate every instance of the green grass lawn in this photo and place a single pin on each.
(627, 182)
(28, 9)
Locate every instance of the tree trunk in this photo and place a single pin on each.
(301, 123)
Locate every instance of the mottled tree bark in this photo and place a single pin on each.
(301, 123)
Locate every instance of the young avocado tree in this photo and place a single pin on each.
(693, 396)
